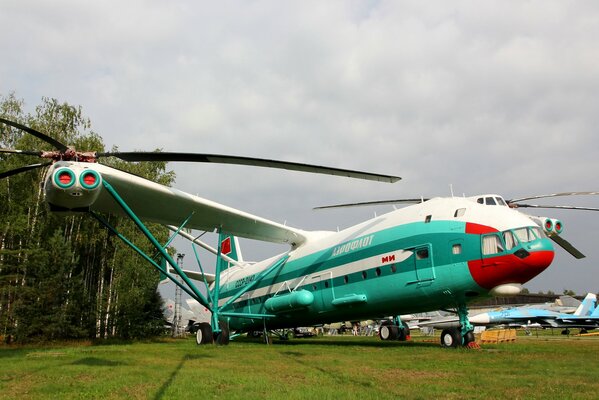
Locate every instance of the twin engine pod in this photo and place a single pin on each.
(72, 186)
(551, 226)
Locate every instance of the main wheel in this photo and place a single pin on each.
(388, 332)
(204, 333)
(469, 338)
(222, 337)
(403, 333)
(451, 338)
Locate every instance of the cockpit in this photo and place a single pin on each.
(491, 200)
(507, 241)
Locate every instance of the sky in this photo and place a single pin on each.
(474, 97)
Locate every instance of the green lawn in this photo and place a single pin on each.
(322, 368)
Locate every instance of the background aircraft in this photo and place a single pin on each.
(585, 317)
(440, 253)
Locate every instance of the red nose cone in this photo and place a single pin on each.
(509, 268)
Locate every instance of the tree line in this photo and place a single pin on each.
(66, 277)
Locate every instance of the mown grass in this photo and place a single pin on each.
(320, 368)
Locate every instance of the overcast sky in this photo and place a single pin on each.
(487, 96)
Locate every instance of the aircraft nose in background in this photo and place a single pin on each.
(480, 319)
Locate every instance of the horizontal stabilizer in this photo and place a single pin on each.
(195, 275)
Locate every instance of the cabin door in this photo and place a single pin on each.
(425, 271)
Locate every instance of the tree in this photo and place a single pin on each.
(65, 276)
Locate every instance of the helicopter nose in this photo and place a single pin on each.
(519, 267)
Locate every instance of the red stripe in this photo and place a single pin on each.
(477, 229)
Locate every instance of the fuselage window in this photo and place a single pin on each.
(428, 219)
(480, 200)
(364, 275)
(456, 249)
(509, 239)
(377, 272)
(459, 212)
(422, 254)
(346, 279)
(393, 268)
(492, 244)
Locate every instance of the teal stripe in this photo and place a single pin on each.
(436, 233)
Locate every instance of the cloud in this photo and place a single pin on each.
(497, 96)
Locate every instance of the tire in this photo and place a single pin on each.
(222, 338)
(403, 333)
(451, 338)
(469, 338)
(388, 332)
(204, 333)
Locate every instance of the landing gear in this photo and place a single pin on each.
(462, 336)
(451, 337)
(222, 337)
(469, 338)
(204, 333)
(390, 331)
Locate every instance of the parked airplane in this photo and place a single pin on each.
(191, 317)
(585, 317)
(437, 254)
(446, 319)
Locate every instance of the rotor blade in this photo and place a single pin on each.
(372, 203)
(24, 152)
(257, 162)
(15, 171)
(518, 205)
(35, 133)
(563, 243)
(543, 196)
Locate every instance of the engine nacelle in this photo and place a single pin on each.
(551, 226)
(72, 186)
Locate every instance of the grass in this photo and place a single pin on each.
(321, 368)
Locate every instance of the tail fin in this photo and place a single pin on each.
(587, 307)
(595, 313)
(567, 301)
(229, 246)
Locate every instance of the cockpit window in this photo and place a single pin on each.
(492, 244)
(509, 240)
(525, 235)
(480, 200)
(490, 201)
(538, 232)
(500, 201)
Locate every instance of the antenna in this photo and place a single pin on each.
(451, 189)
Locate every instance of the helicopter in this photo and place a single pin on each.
(435, 253)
